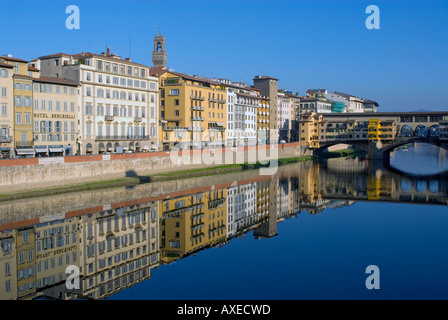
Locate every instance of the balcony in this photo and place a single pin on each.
(5, 139)
(172, 128)
(217, 129)
(121, 138)
(213, 99)
(194, 118)
(109, 118)
(213, 204)
(137, 119)
(199, 98)
(197, 108)
(221, 101)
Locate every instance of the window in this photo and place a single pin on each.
(3, 73)
(18, 118)
(174, 92)
(3, 92)
(27, 118)
(176, 113)
(4, 110)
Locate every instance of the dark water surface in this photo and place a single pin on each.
(308, 232)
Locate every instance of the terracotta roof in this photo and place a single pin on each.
(17, 75)
(195, 78)
(248, 95)
(371, 101)
(89, 54)
(5, 65)
(53, 56)
(56, 80)
(157, 71)
(31, 68)
(264, 77)
(13, 59)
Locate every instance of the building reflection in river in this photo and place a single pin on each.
(116, 246)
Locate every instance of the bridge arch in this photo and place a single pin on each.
(364, 145)
(406, 131)
(431, 141)
(433, 131)
(421, 131)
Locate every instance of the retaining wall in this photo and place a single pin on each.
(41, 173)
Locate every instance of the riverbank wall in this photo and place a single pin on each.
(41, 173)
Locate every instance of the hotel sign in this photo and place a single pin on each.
(54, 115)
(55, 252)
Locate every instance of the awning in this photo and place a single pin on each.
(145, 148)
(56, 149)
(220, 124)
(41, 150)
(5, 149)
(125, 148)
(110, 149)
(25, 151)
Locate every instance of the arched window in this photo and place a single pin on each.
(159, 46)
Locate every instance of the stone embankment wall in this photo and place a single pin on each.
(42, 173)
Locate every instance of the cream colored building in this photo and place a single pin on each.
(7, 110)
(118, 100)
(55, 113)
(118, 248)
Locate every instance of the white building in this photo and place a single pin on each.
(241, 208)
(352, 103)
(118, 100)
(314, 104)
(242, 106)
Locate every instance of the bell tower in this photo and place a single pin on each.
(159, 53)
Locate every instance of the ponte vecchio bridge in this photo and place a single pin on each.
(377, 133)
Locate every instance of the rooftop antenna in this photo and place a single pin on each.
(129, 44)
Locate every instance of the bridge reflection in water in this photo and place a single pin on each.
(117, 237)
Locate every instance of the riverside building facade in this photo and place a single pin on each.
(7, 114)
(117, 100)
(192, 110)
(55, 114)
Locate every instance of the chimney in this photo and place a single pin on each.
(108, 50)
(128, 59)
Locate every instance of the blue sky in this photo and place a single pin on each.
(305, 44)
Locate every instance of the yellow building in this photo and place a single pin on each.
(7, 109)
(309, 130)
(26, 263)
(8, 265)
(55, 116)
(374, 129)
(263, 120)
(192, 222)
(23, 105)
(192, 109)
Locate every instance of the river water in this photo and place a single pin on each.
(310, 231)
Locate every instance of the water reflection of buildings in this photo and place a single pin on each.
(118, 248)
(115, 246)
